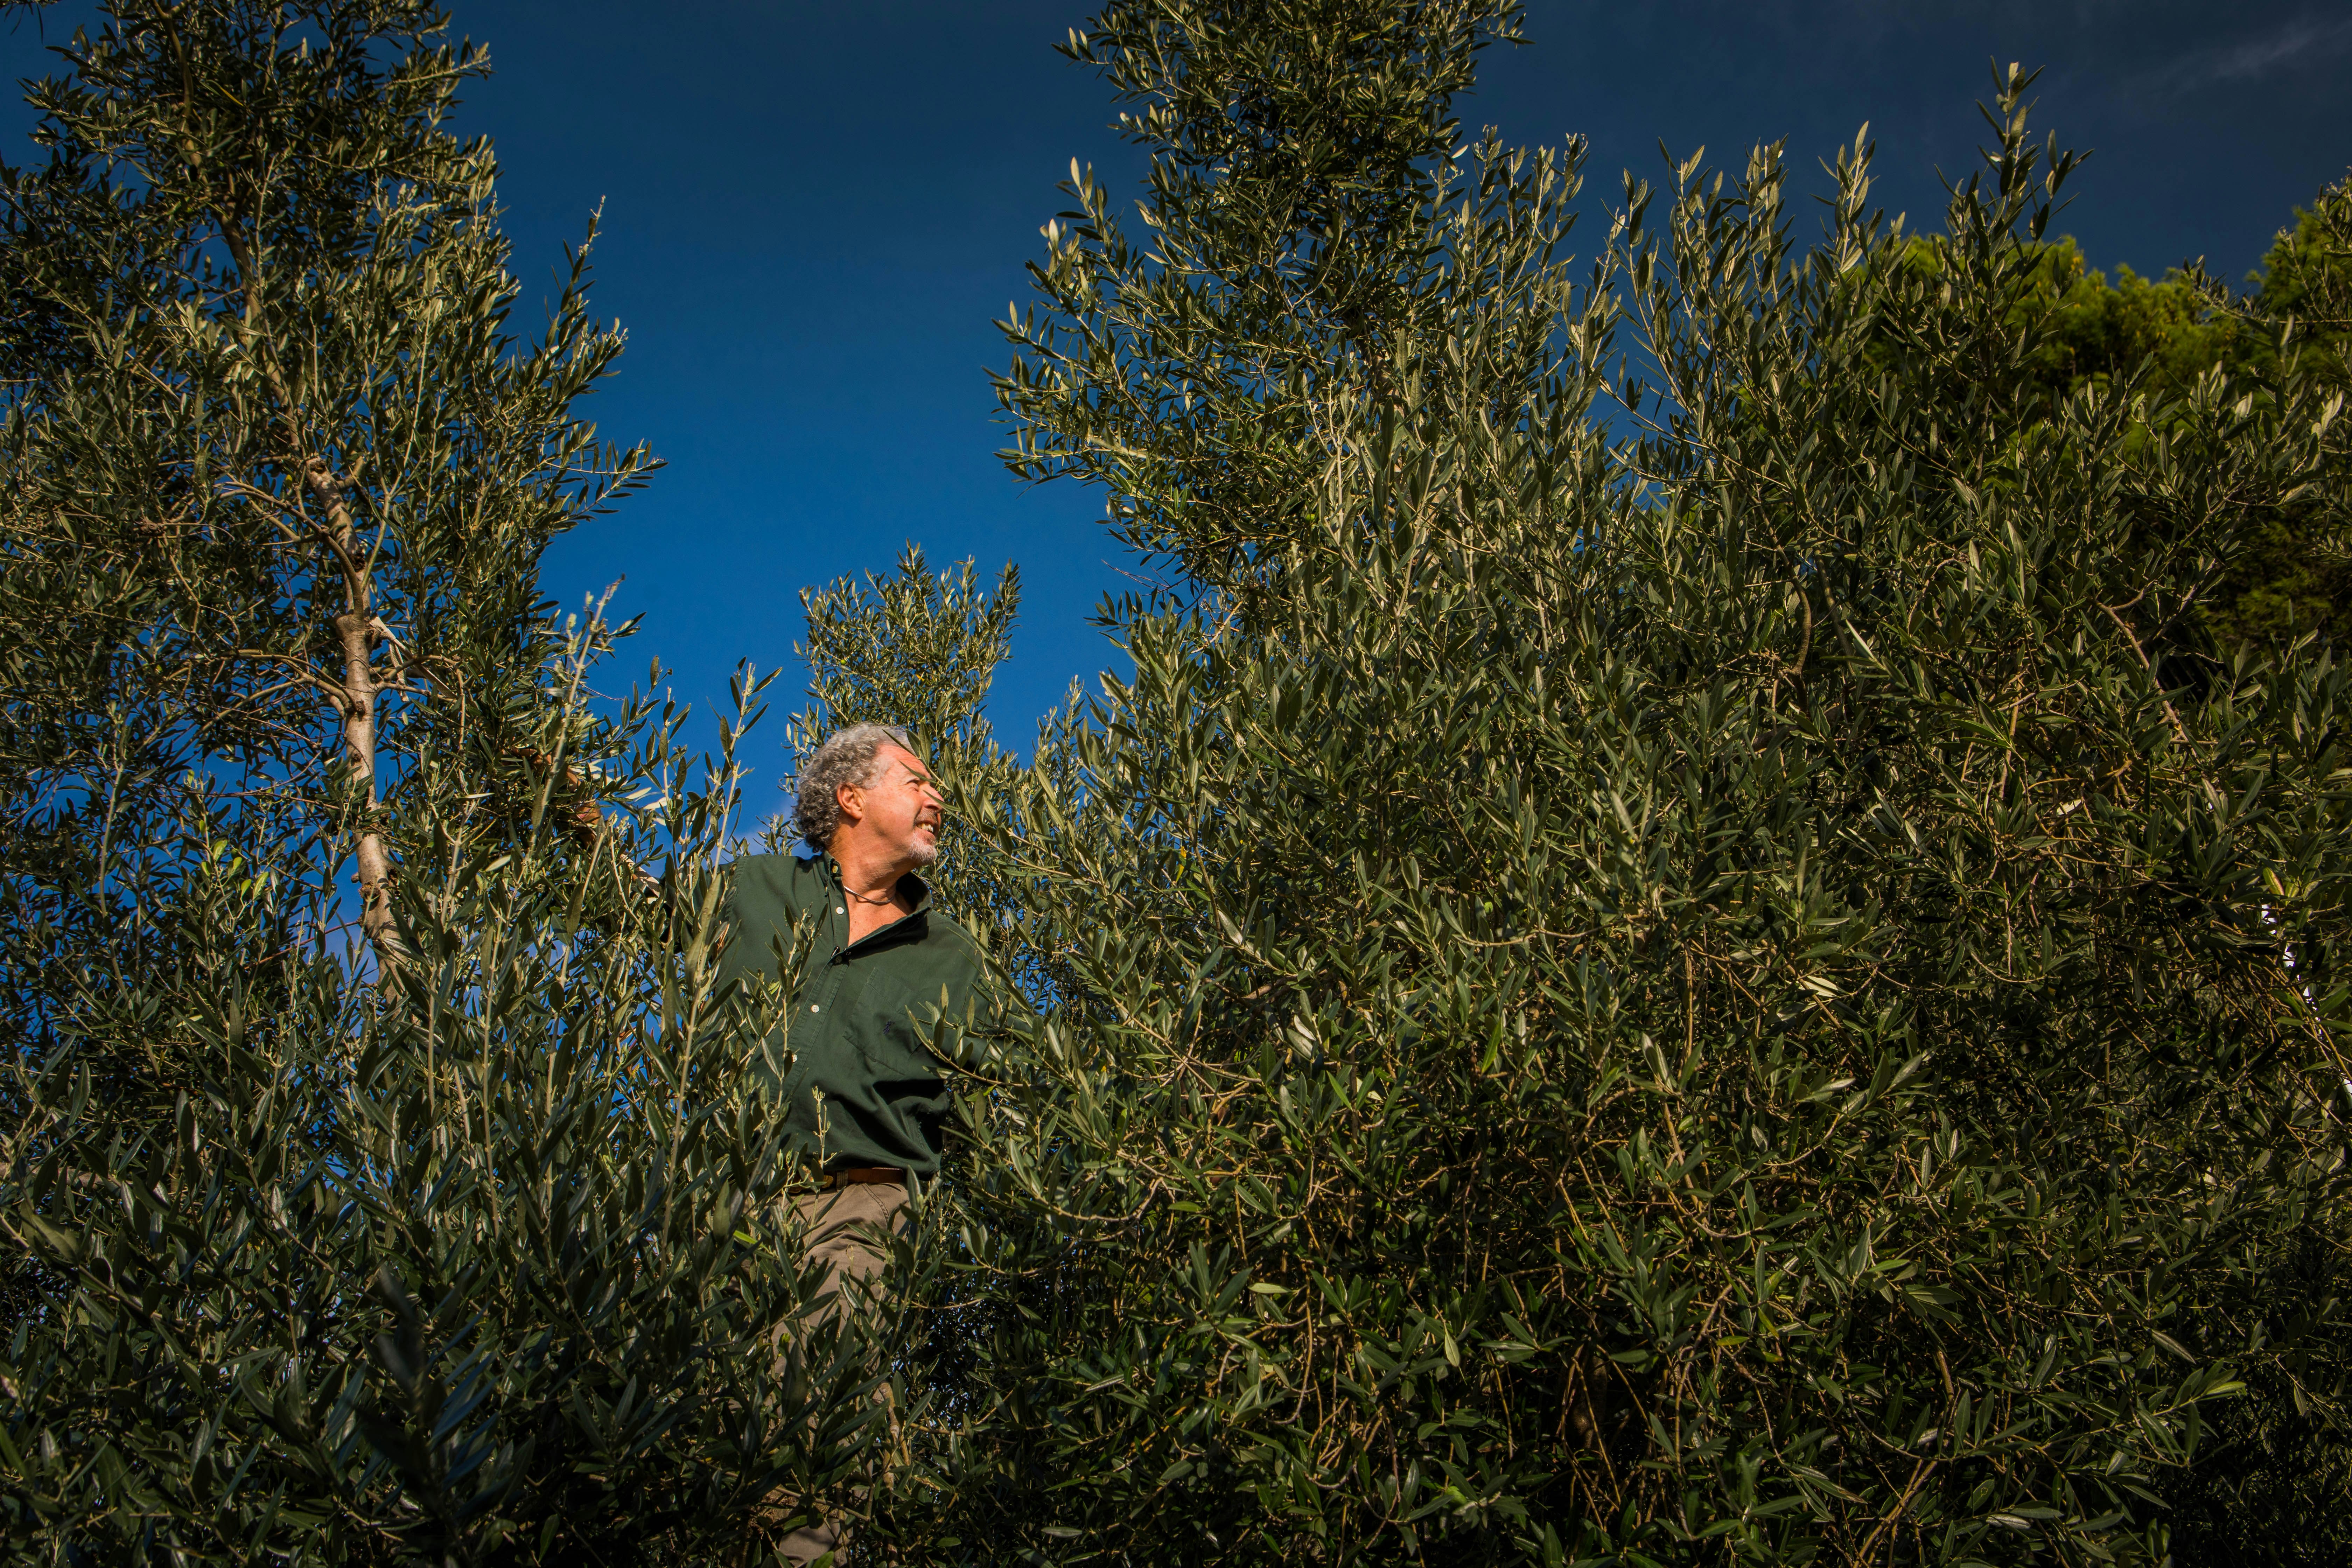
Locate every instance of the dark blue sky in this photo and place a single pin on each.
(812, 212)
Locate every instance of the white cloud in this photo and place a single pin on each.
(2301, 41)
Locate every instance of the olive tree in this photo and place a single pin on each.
(441, 1223)
(1675, 948)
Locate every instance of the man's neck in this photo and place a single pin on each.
(871, 883)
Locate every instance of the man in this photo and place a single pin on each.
(861, 1093)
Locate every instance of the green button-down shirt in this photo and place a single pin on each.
(857, 1012)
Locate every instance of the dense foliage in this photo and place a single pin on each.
(433, 1224)
(1692, 939)
(2288, 578)
(1681, 946)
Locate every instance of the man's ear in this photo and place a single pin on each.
(851, 800)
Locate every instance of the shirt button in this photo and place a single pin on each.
(839, 909)
(811, 1006)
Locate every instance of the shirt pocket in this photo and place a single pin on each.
(895, 1041)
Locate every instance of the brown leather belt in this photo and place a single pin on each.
(864, 1175)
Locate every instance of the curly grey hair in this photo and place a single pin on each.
(845, 758)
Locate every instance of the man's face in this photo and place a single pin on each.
(899, 812)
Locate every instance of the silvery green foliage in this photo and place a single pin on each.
(1674, 953)
(436, 1223)
(280, 471)
(908, 648)
(918, 649)
(492, 1264)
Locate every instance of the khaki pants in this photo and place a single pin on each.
(847, 1232)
